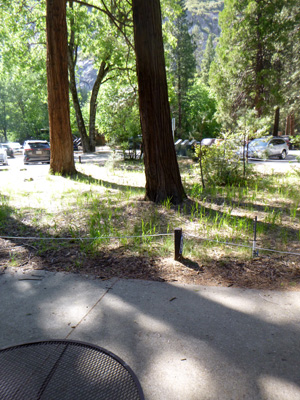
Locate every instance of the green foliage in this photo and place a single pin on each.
(220, 164)
(251, 57)
(23, 88)
(120, 122)
(205, 6)
(208, 58)
(182, 69)
(295, 140)
(200, 106)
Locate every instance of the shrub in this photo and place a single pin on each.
(220, 164)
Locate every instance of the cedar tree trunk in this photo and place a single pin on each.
(163, 179)
(276, 122)
(62, 157)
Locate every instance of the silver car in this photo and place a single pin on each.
(268, 147)
(3, 155)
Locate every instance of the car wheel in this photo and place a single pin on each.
(283, 155)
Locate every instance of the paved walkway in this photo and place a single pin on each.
(183, 342)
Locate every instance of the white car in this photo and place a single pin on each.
(268, 147)
(17, 148)
(3, 155)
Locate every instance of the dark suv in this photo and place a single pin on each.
(9, 150)
(36, 151)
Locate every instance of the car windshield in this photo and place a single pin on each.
(39, 145)
(259, 143)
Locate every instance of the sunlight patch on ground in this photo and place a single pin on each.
(173, 371)
(263, 311)
(274, 388)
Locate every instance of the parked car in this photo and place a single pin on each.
(208, 141)
(36, 151)
(3, 155)
(9, 150)
(268, 147)
(17, 148)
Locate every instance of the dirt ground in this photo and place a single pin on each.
(259, 273)
(263, 272)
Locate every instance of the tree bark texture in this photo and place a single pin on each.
(290, 125)
(163, 179)
(61, 143)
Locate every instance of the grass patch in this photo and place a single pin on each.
(101, 211)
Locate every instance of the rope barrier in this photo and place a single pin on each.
(83, 238)
(179, 251)
(241, 245)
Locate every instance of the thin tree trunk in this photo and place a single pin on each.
(292, 125)
(103, 70)
(72, 58)
(276, 122)
(62, 157)
(179, 96)
(259, 66)
(287, 125)
(163, 179)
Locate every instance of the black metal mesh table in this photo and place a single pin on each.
(65, 370)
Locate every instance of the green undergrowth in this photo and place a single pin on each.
(102, 208)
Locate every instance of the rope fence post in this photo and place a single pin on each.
(178, 243)
(254, 251)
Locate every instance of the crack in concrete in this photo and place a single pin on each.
(92, 308)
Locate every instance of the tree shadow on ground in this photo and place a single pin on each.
(193, 342)
(88, 179)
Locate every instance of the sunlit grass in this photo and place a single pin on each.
(105, 204)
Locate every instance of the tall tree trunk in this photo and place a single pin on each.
(72, 59)
(163, 179)
(103, 70)
(287, 125)
(259, 66)
(292, 130)
(79, 118)
(62, 156)
(276, 122)
(4, 126)
(179, 97)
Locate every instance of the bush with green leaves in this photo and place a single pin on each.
(295, 141)
(220, 165)
(120, 120)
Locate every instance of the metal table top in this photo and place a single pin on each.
(65, 370)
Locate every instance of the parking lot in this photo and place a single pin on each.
(104, 153)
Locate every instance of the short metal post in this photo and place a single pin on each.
(254, 251)
(79, 159)
(178, 243)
